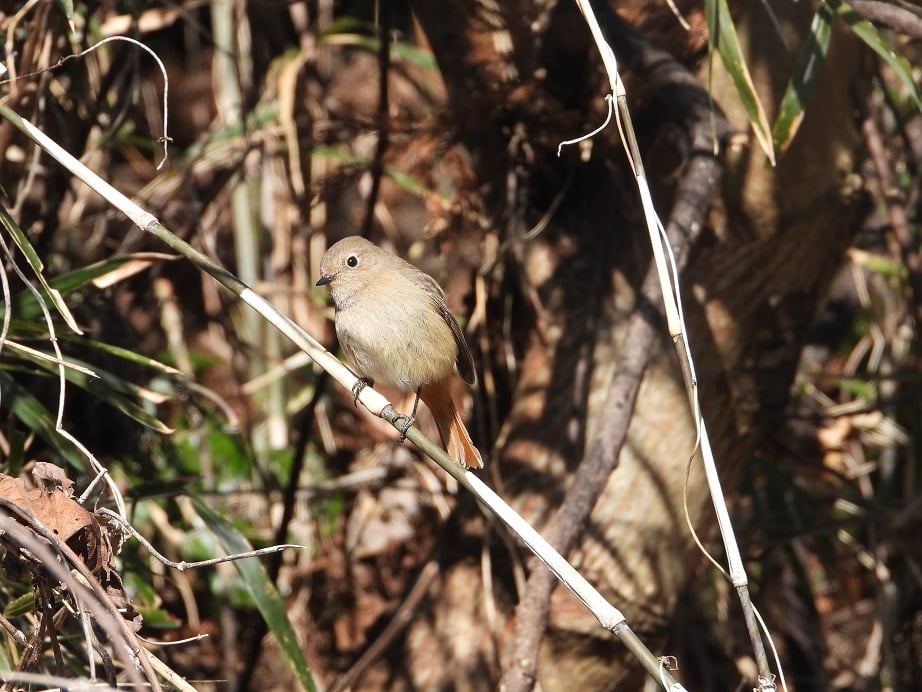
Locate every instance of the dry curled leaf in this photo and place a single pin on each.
(55, 510)
(55, 475)
(73, 525)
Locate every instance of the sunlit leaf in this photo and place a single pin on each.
(405, 181)
(400, 51)
(20, 605)
(346, 25)
(868, 33)
(38, 269)
(858, 388)
(806, 70)
(159, 619)
(879, 264)
(722, 36)
(132, 357)
(68, 7)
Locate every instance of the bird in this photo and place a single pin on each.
(396, 330)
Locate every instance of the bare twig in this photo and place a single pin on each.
(182, 565)
(675, 322)
(13, 631)
(70, 684)
(164, 139)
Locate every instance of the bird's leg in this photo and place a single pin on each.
(408, 421)
(357, 388)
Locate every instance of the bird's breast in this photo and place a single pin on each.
(402, 342)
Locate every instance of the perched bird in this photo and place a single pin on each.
(396, 330)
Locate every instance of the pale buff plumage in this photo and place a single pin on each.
(395, 328)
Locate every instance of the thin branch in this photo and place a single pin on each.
(677, 330)
(13, 631)
(164, 139)
(70, 684)
(182, 565)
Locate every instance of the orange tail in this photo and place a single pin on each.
(455, 438)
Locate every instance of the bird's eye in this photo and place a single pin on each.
(352, 261)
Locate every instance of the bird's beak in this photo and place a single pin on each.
(324, 280)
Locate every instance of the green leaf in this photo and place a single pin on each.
(858, 388)
(349, 31)
(198, 546)
(722, 36)
(806, 70)
(262, 590)
(879, 264)
(68, 7)
(132, 357)
(405, 181)
(159, 619)
(36, 417)
(25, 305)
(25, 247)
(233, 591)
(21, 605)
(399, 50)
(346, 25)
(236, 464)
(868, 33)
(108, 387)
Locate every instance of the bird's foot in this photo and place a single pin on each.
(407, 423)
(357, 388)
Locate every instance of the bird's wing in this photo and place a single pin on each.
(464, 361)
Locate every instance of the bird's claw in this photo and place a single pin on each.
(357, 388)
(407, 423)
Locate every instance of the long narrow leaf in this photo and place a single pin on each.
(109, 388)
(806, 70)
(130, 356)
(868, 33)
(402, 51)
(25, 247)
(722, 36)
(25, 306)
(118, 392)
(262, 590)
(36, 418)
